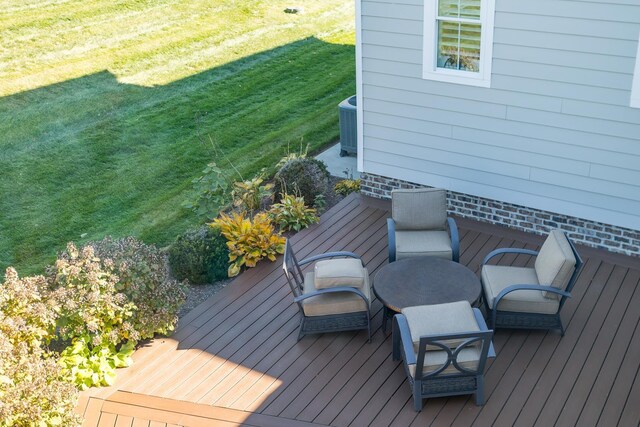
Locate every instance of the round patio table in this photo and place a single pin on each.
(424, 280)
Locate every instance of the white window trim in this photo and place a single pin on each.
(635, 85)
(430, 70)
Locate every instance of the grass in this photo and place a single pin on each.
(104, 106)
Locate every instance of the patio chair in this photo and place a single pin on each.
(531, 298)
(419, 225)
(444, 349)
(335, 296)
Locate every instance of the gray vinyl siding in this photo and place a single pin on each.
(554, 131)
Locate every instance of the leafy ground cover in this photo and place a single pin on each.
(108, 109)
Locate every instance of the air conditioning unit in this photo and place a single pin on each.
(348, 126)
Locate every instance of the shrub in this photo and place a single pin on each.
(305, 177)
(90, 305)
(248, 195)
(143, 277)
(292, 214)
(28, 315)
(33, 387)
(347, 186)
(94, 318)
(248, 240)
(199, 256)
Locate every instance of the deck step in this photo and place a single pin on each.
(140, 409)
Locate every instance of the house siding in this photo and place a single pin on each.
(555, 131)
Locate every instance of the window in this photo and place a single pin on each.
(635, 85)
(458, 40)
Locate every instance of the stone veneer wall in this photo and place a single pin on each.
(586, 232)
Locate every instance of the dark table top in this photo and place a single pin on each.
(423, 281)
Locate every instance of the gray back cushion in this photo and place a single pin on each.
(555, 263)
(419, 209)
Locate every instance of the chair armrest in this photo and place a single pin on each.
(332, 291)
(513, 288)
(508, 251)
(391, 232)
(455, 239)
(402, 336)
(483, 327)
(329, 255)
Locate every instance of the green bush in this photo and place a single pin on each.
(199, 256)
(110, 294)
(292, 214)
(29, 317)
(304, 177)
(143, 277)
(90, 304)
(94, 317)
(34, 390)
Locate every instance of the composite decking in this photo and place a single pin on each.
(234, 360)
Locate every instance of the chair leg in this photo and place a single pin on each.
(395, 342)
(385, 315)
(301, 329)
(417, 397)
(480, 390)
(369, 329)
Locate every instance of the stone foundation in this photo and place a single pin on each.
(582, 231)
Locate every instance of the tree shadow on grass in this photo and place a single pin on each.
(92, 156)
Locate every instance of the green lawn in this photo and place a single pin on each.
(102, 103)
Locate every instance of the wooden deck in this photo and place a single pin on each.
(234, 360)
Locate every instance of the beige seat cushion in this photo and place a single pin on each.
(555, 263)
(468, 358)
(451, 318)
(339, 272)
(421, 243)
(419, 209)
(334, 303)
(495, 278)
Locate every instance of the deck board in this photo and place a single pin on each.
(235, 358)
(604, 382)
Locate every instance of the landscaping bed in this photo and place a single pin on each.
(197, 294)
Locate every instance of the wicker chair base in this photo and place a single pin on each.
(506, 319)
(334, 323)
(446, 386)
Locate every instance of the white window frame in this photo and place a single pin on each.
(430, 69)
(635, 85)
